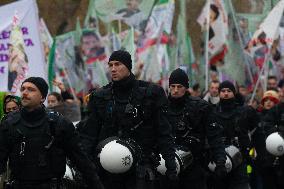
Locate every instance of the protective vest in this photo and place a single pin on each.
(186, 125)
(35, 151)
(131, 118)
(231, 124)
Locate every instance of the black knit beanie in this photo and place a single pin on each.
(122, 56)
(178, 76)
(229, 85)
(40, 83)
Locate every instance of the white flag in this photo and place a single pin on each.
(218, 24)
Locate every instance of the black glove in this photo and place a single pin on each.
(95, 183)
(220, 171)
(173, 181)
(280, 130)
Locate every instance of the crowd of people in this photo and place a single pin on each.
(132, 135)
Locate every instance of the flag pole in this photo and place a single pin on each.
(266, 72)
(259, 75)
(119, 26)
(241, 41)
(273, 17)
(206, 47)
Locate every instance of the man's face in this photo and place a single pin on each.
(226, 93)
(31, 96)
(272, 83)
(177, 90)
(118, 70)
(89, 43)
(132, 4)
(243, 91)
(11, 106)
(281, 94)
(244, 24)
(213, 90)
(52, 101)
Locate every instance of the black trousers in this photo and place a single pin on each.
(192, 178)
(236, 179)
(272, 177)
(52, 184)
(143, 177)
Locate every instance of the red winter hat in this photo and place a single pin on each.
(271, 95)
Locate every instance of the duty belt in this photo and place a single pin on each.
(53, 183)
(231, 141)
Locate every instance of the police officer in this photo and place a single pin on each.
(212, 95)
(273, 168)
(237, 122)
(131, 109)
(36, 142)
(193, 126)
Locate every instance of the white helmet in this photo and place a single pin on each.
(228, 165)
(69, 172)
(118, 155)
(275, 144)
(233, 159)
(183, 159)
(162, 167)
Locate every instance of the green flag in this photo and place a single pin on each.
(100, 75)
(129, 45)
(2, 95)
(132, 13)
(51, 60)
(185, 56)
(163, 1)
(65, 65)
(91, 20)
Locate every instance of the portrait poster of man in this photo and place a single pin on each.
(218, 30)
(131, 12)
(92, 55)
(218, 26)
(18, 64)
(18, 60)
